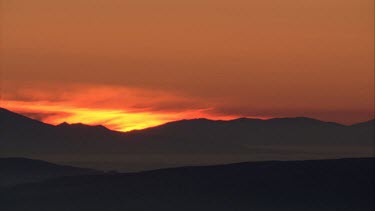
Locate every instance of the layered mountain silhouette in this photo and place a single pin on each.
(343, 184)
(285, 138)
(336, 184)
(21, 170)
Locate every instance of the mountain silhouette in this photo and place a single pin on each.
(196, 141)
(21, 170)
(343, 184)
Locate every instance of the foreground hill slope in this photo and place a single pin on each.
(21, 170)
(325, 185)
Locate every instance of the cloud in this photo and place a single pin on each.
(41, 116)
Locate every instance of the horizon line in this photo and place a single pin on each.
(192, 119)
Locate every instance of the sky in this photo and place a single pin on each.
(132, 64)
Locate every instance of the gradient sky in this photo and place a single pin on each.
(139, 63)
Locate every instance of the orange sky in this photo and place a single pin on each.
(138, 63)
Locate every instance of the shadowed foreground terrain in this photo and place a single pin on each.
(15, 171)
(321, 185)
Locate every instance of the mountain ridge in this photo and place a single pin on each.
(187, 141)
(300, 119)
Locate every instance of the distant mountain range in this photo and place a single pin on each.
(186, 141)
(324, 185)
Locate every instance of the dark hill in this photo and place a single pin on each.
(20, 170)
(324, 185)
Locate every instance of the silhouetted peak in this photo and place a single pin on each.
(183, 122)
(302, 121)
(290, 119)
(370, 123)
(195, 120)
(4, 112)
(81, 126)
(245, 120)
(64, 124)
(10, 118)
(249, 121)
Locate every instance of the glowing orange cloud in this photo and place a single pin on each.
(117, 108)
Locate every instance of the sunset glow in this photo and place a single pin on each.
(120, 120)
(180, 104)
(116, 108)
(139, 63)
(113, 119)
